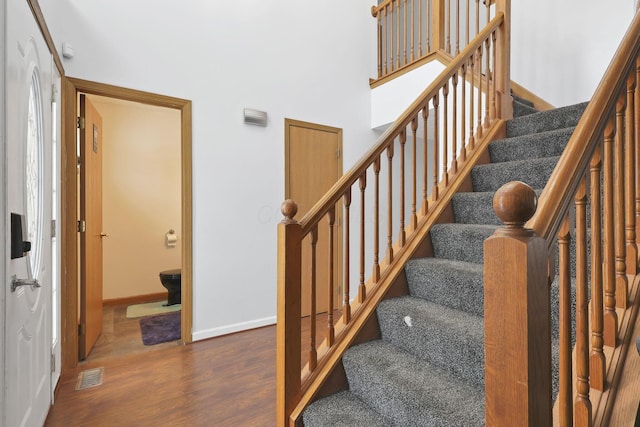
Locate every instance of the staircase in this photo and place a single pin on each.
(428, 367)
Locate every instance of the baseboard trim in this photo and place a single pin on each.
(538, 103)
(230, 329)
(136, 299)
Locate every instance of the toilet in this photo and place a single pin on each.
(170, 279)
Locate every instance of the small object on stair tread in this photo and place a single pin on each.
(407, 320)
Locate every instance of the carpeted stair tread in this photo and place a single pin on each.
(520, 109)
(454, 284)
(476, 207)
(410, 391)
(546, 120)
(462, 242)
(342, 409)
(534, 172)
(433, 332)
(543, 144)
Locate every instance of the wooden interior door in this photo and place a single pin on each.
(313, 163)
(90, 227)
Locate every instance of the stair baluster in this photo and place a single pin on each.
(636, 120)
(610, 315)
(630, 172)
(597, 361)
(425, 162)
(346, 304)
(565, 395)
(414, 174)
(582, 406)
(390, 153)
(362, 184)
(619, 210)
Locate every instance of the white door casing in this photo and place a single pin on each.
(56, 247)
(28, 192)
(3, 209)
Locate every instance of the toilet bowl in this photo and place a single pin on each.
(170, 279)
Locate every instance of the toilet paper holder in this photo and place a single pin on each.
(171, 239)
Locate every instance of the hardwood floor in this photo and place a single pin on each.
(225, 381)
(120, 336)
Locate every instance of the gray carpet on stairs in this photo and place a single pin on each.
(544, 144)
(408, 390)
(433, 333)
(546, 120)
(451, 283)
(492, 176)
(343, 409)
(522, 109)
(428, 367)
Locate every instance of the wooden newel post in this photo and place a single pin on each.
(289, 311)
(517, 315)
(437, 26)
(503, 63)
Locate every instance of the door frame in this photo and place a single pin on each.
(69, 217)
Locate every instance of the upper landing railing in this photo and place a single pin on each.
(410, 31)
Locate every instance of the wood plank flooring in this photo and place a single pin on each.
(225, 381)
(120, 336)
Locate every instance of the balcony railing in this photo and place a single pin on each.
(411, 31)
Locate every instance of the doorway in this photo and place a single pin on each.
(71, 278)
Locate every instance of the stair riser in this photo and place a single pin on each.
(520, 109)
(474, 208)
(547, 144)
(409, 391)
(546, 120)
(430, 333)
(454, 285)
(460, 242)
(492, 176)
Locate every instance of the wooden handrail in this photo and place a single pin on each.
(347, 180)
(376, 9)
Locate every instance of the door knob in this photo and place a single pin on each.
(103, 235)
(16, 283)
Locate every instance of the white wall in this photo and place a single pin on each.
(390, 100)
(292, 59)
(141, 190)
(561, 49)
(302, 60)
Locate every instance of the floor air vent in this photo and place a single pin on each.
(90, 378)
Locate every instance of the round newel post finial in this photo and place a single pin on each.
(289, 209)
(515, 203)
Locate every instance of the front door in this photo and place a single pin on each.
(27, 290)
(91, 227)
